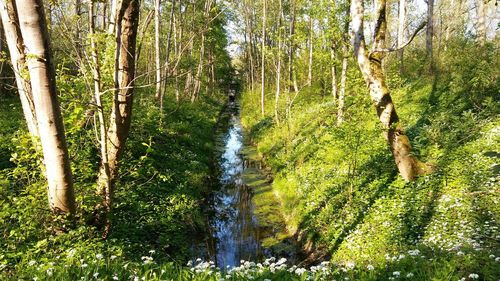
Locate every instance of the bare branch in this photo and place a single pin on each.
(397, 48)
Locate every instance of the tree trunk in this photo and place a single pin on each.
(401, 33)
(112, 17)
(371, 68)
(343, 75)
(50, 124)
(157, 50)
(121, 112)
(263, 57)
(311, 31)
(249, 28)
(278, 68)
(15, 44)
(291, 75)
(343, 81)
(103, 139)
(167, 73)
(334, 73)
(430, 32)
(481, 22)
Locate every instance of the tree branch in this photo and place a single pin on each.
(397, 48)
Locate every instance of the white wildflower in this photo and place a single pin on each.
(84, 265)
(350, 265)
(32, 263)
(115, 277)
(409, 275)
(415, 252)
(71, 253)
(99, 256)
(281, 261)
(300, 271)
(96, 274)
(370, 267)
(113, 257)
(50, 271)
(473, 276)
(396, 273)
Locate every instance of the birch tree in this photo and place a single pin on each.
(370, 64)
(33, 27)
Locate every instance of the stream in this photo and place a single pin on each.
(246, 218)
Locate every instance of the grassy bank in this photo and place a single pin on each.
(341, 191)
(165, 177)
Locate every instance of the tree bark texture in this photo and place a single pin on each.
(121, 112)
(15, 44)
(370, 65)
(50, 124)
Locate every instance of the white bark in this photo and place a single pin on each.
(263, 56)
(16, 50)
(157, 50)
(42, 75)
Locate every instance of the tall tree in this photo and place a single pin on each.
(343, 74)
(370, 64)
(278, 66)
(35, 35)
(127, 15)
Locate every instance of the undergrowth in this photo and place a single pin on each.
(341, 191)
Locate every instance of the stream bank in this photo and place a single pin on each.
(245, 217)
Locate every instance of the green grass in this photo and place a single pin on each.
(341, 193)
(164, 180)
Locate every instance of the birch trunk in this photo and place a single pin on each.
(334, 73)
(34, 32)
(481, 22)
(112, 17)
(343, 81)
(278, 68)
(103, 137)
(371, 68)
(401, 34)
(157, 51)
(263, 56)
(15, 44)
(309, 72)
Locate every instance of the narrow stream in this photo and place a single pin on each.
(238, 234)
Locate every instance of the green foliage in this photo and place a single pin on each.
(164, 180)
(339, 187)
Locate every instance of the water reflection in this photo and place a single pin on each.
(236, 228)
